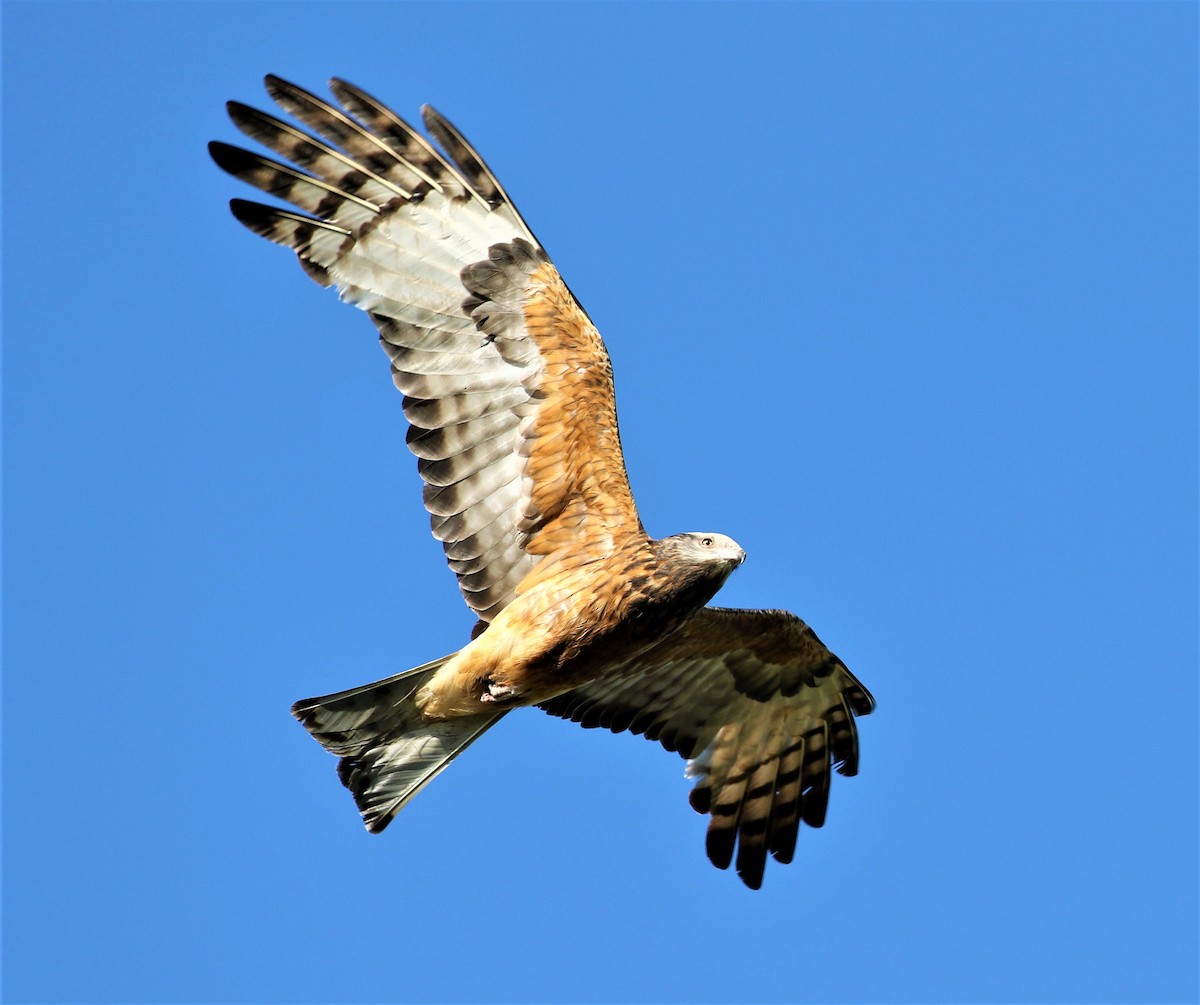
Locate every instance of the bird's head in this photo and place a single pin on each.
(706, 549)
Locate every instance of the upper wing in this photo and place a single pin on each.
(762, 710)
(507, 384)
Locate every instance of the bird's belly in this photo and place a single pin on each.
(561, 634)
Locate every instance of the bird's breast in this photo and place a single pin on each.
(571, 625)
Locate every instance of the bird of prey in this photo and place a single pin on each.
(508, 392)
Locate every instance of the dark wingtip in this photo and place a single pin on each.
(229, 158)
(719, 846)
(254, 215)
(304, 708)
(277, 87)
(752, 874)
(377, 826)
(860, 700)
(342, 89)
(815, 809)
(784, 855)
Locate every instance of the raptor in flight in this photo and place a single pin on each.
(508, 393)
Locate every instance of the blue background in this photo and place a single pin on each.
(902, 297)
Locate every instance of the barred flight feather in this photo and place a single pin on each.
(482, 541)
(311, 194)
(432, 413)
(313, 239)
(478, 486)
(360, 143)
(489, 552)
(701, 692)
(309, 153)
(450, 470)
(397, 134)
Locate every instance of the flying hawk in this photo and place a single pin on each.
(509, 395)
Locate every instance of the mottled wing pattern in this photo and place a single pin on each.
(506, 382)
(761, 709)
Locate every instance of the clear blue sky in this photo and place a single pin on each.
(902, 297)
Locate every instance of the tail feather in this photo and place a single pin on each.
(389, 751)
(385, 777)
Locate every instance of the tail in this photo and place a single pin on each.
(389, 750)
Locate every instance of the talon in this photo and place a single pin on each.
(497, 692)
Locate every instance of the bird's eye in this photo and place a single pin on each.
(707, 542)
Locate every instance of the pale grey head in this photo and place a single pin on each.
(690, 568)
(703, 548)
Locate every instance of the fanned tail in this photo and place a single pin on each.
(389, 751)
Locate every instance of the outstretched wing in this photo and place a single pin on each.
(507, 384)
(762, 711)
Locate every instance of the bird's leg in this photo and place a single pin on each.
(495, 691)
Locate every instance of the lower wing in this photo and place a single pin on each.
(761, 709)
